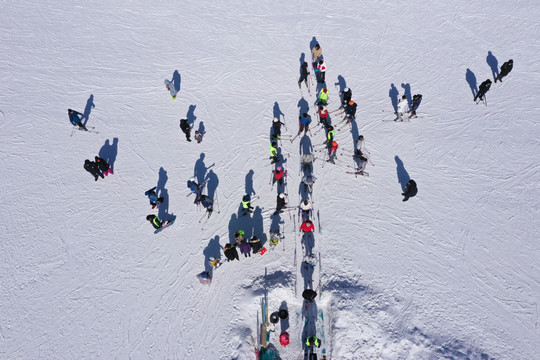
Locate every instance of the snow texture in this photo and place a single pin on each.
(453, 273)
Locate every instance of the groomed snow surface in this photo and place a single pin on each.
(451, 274)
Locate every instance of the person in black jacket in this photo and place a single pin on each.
(186, 128)
(303, 74)
(103, 166)
(230, 252)
(255, 243)
(483, 89)
(281, 203)
(410, 190)
(347, 95)
(93, 169)
(505, 70)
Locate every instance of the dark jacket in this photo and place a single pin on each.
(91, 167)
(281, 202)
(507, 67)
(230, 252)
(411, 189)
(73, 117)
(309, 294)
(185, 126)
(304, 72)
(102, 164)
(256, 245)
(347, 95)
(484, 87)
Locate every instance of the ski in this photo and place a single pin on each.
(198, 188)
(363, 173)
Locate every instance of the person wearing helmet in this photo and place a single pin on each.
(333, 152)
(323, 97)
(483, 89)
(93, 169)
(172, 89)
(305, 120)
(308, 181)
(76, 120)
(415, 103)
(350, 111)
(279, 175)
(246, 204)
(204, 278)
(303, 75)
(276, 128)
(153, 197)
(410, 190)
(403, 108)
(330, 133)
(323, 115)
(307, 161)
(255, 244)
(321, 69)
(316, 53)
(281, 203)
(307, 226)
(230, 252)
(156, 222)
(306, 207)
(505, 70)
(346, 95)
(273, 152)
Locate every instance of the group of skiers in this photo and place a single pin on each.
(486, 85)
(98, 168)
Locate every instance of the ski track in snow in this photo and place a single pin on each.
(452, 273)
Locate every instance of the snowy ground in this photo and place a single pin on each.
(453, 273)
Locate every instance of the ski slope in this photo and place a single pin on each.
(451, 274)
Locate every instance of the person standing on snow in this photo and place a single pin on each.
(172, 90)
(255, 244)
(198, 136)
(305, 120)
(416, 100)
(308, 181)
(350, 111)
(306, 207)
(303, 75)
(186, 128)
(281, 203)
(403, 107)
(323, 115)
(307, 161)
(230, 252)
(204, 277)
(276, 127)
(246, 204)
(207, 202)
(483, 89)
(103, 166)
(93, 169)
(333, 152)
(75, 120)
(323, 97)
(279, 175)
(307, 226)
(321, 69)
(156, 222)
(330, 133)
(273, 152)
(316, 53)
(245, 249)
(346, 96)
(309, 295)
(153, 198)
(505, 70)
(410, 190)
(313, 341)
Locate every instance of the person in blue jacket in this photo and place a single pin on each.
(153, 197)
(75, 119)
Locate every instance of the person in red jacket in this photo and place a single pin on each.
(279, 175)
(307, 226)
(332, 154)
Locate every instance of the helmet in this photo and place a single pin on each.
(246, 197)
(276, 119)
(351, 102)
(361, 137)
(346, 89)
(274, 144)
(325, 90)
(203, 275)
(330, 128)
(279, 168)
(282, 195)
(334, 144)
(306, 202)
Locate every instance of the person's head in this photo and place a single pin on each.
(87, 161)
(510, 61)
(346, 89)
(306, 202)
(281, 196)
(97, 159)
(70, 111)
(321, 107)
(149, 217)
(276, 120)
(274, 144)
(351, 102)
(321, 62)
(361, 137)
(334, 144)
(279, 168)
(308, 222)
(325, 90)
(330, 128)
(305, 115)
(317, 46)
(246, 197)
(403, 97)
(204, 275)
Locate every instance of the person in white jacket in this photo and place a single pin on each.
(403, 108)
(170, 86)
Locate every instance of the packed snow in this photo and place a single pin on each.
(453, 273)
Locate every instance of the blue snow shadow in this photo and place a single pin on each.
(402, 174)
(212, 249)
(471, 79)
(493, 64)
(199, 172)
(88, 108)
(393, 94)
(177, 80)
(108, 152)
(163, 209)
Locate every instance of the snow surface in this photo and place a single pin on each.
(451, 274)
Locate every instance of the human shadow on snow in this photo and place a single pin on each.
(212, 249)
(305, 145)
(88, 108)
(393, 94)
(402, 174)
(163, 209)
(212, 184)
(190, 116)
(176, 80)
(277, 112)
(471, 80)
(199, 172)
(249, 183)
(493, 64)
(108, 152)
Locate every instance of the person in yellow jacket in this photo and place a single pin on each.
(323, 97)
(273, 152)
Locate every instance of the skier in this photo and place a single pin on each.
(274, 152)
(483, 89)
(170, 86)
(403, 107)
(239, 237)
(321, 69)
(156, 222)
(346, 96)
(93, 169)
(505, 70)
(323, 97)
(307, 226)
(204, 277)
(206, 202)
(316, 53)
(333, 152)
(303, 75)
(307, 161)
(279, 175)
(330, 133)
(198, 136)
(246, 204)
(186, 128)
(350, 111)
(255, 244)
(103, 166)
(309, 295)
(308, 181)
(230, 252)
(75, 120)
(361, 161)
(284, 339)
(416, 100)
(214, 262)
(306, 207)
(274, 238)
(313, 341)
(281, 203)
(245, 249)
(153, 198)
(276, 127)
(305, 120)
(410, 190)
(323, 115)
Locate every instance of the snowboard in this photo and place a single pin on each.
(164, 227)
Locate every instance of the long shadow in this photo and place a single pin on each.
(354, 133)
(402, 174)
(284, 323)
(310, 325)
(108, 152)
(302, 61)
(212, 184)
(257, 228)
(341, 83)
(407, 88)
(303, 107)
(277, 111)
(88, 108)
(393, 94)
(305, 145)
(471, 79)
(176, 80)
(199, 172)
(163, 209)
(212, 249)
(249, 183)
(238, 222)
(190, 116)
(493, 64)
(308, 239)
(307, 274)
